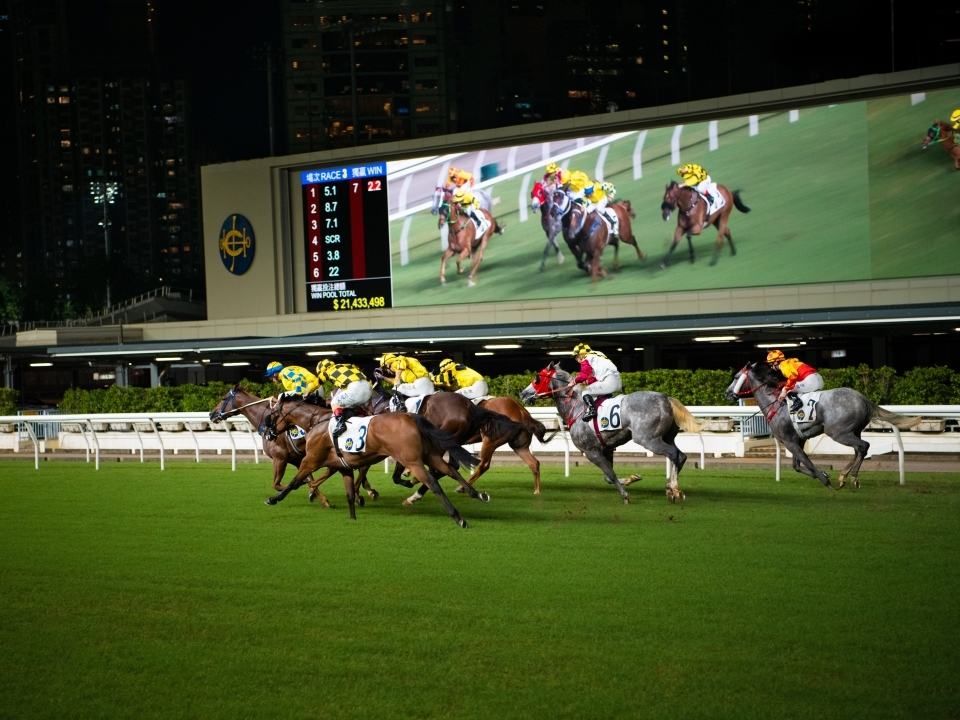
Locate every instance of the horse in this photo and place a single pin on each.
(942, 132)
(842, 414)
(589, 231)
(650, 419)
(282, 451)
(551, 222)
(409, 439)
(693, 218)
(443, 198)
(462, 241)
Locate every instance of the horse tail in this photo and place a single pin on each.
(682, 417)
(498, 228)
(443, 441)
(531, 428)
(901, 422)
(739, 203)
(492, 424)
(629, 208)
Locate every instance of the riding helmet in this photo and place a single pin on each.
(581, 349)
(273, 368)
(774, 356)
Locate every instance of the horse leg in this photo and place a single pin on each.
(420, 492)
(616, 257)
(351, 495)
(314, 488)
(447, 254)
(552, 239)
(431, 482)
(530, 459)
(475, 267)
(305, 471)
(397, 476)
(673, 246)
(666, 446)
(464, 254)
(596, 456)
(279, 466)
(803, 464)
(486, 456)
(860, 448)
(718, 246)
(365, 484)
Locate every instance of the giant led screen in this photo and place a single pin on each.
(824, 194)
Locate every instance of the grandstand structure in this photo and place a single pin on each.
(843, 275)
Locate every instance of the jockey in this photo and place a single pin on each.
(575, 185)
(554, 175)
(296, 381)
(955, 119)
(352, 389)
(471, 206)
(599, 374)
(696, 177)
(410, 378)
(801, 378)
(457, 178)
(463, 380)
(597, 199)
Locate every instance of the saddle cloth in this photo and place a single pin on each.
(808, 413)
(296, 432)
(482, 398)
(608, 413)
(354, 438)
(718, 201)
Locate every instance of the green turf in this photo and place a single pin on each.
(134, 593)
(805, 181)
(914, 216)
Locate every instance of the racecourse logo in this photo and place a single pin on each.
(349, 444)
(236, 244)
(604, 423)
(800, 415)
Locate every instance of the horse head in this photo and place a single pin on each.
(670, 197)
(228, 406)
(545, 384)
(578, 215)
(934, 133)
(539, 196)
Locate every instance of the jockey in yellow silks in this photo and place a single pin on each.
(470, 204)
(554, 176)
(800, 378)
(575, 185)
(600, 375)
(295, 380)
(411, 378)
(696, 177)
(458, 178)
(461, 379)
(351, 389)
(595, 193)
(955, 119)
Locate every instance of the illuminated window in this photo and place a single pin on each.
(639, 61)
(51, 101)
(666, 42)
(68, 188)
(64, 143)
(666, 57)
(577, 93)
(64, 100)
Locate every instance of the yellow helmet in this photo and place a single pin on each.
(387, 359)
(453, 172)
(552, 168)
(955, 116)
(325, 366)
(273, 368)
(581, 349)
(774, 355)
(608, 188)
(447, 363)
(460, 195)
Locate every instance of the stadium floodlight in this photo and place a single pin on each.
(638, 349)
(235, 364)
(716, 338)
(317, 353)
(559, 352)
(172, 358)
(506, 346)
(777, 345)
(483, 353)
(41, 364)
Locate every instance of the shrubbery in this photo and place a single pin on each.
(8, 401)
(920, 386)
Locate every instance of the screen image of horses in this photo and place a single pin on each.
(835, 193)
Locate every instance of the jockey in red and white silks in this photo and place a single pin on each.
(599, 374)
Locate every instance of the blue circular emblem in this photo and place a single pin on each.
(236, 244)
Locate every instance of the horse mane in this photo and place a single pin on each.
(766, 375)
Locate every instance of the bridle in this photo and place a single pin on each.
(229, 406)
(269, 425)
(743, 389)
(543, 378)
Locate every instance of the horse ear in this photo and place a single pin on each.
(236, 387)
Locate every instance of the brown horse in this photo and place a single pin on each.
(283, 450)
(693, 217)
(589, 232)
(409, 439)
(625, 213)
(463, 242)
(942, 132)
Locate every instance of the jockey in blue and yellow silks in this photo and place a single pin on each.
(295, 379)
(595, 193)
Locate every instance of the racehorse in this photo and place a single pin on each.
(648, 418)
(625, 213)
(462, 241)
(443, 198)
(693, 218)
(942, 132)
(589, 232)
(282, 450)
(841, 413)
(552, 223)
(409, 439)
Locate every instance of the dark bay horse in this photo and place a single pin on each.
(842, 414)
(409, 439)
(650, 419)
(943, 133)
(463, 242)
(282, 450)
(552, 223)
(589, 231)
(693, 218)
(625, 214)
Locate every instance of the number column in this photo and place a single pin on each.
(314, 234)
(335, 225)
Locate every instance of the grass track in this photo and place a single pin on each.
(132, 592)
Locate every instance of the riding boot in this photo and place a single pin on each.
(796, 403)
(341, 425)
(591, 403)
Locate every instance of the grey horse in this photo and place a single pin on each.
(842, 414)
(650, 419)
(551, 222)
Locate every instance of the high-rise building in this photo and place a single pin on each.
(359, 72)
(109, 195)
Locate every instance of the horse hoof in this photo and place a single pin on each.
(360, 501)
(374, 495)
(458, 489)
(856, 484)
(312, 496)
(471, 283)
(326, 504)
(407, 502)
(269, 501)
(840, 483)
(560, 259)
(712, 262)
(542, 268)
(626, 500)
(462, 523)
(663, 265)
(484, 497)
(404, 483)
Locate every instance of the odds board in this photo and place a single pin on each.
(347, 237)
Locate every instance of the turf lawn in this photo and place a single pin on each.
(806, 183)
(134, 593)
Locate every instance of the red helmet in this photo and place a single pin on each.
(774, 356)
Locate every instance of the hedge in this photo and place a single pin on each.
(8, 401)
(920, 386)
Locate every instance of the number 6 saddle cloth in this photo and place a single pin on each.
(354, 438)
(608, 413)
